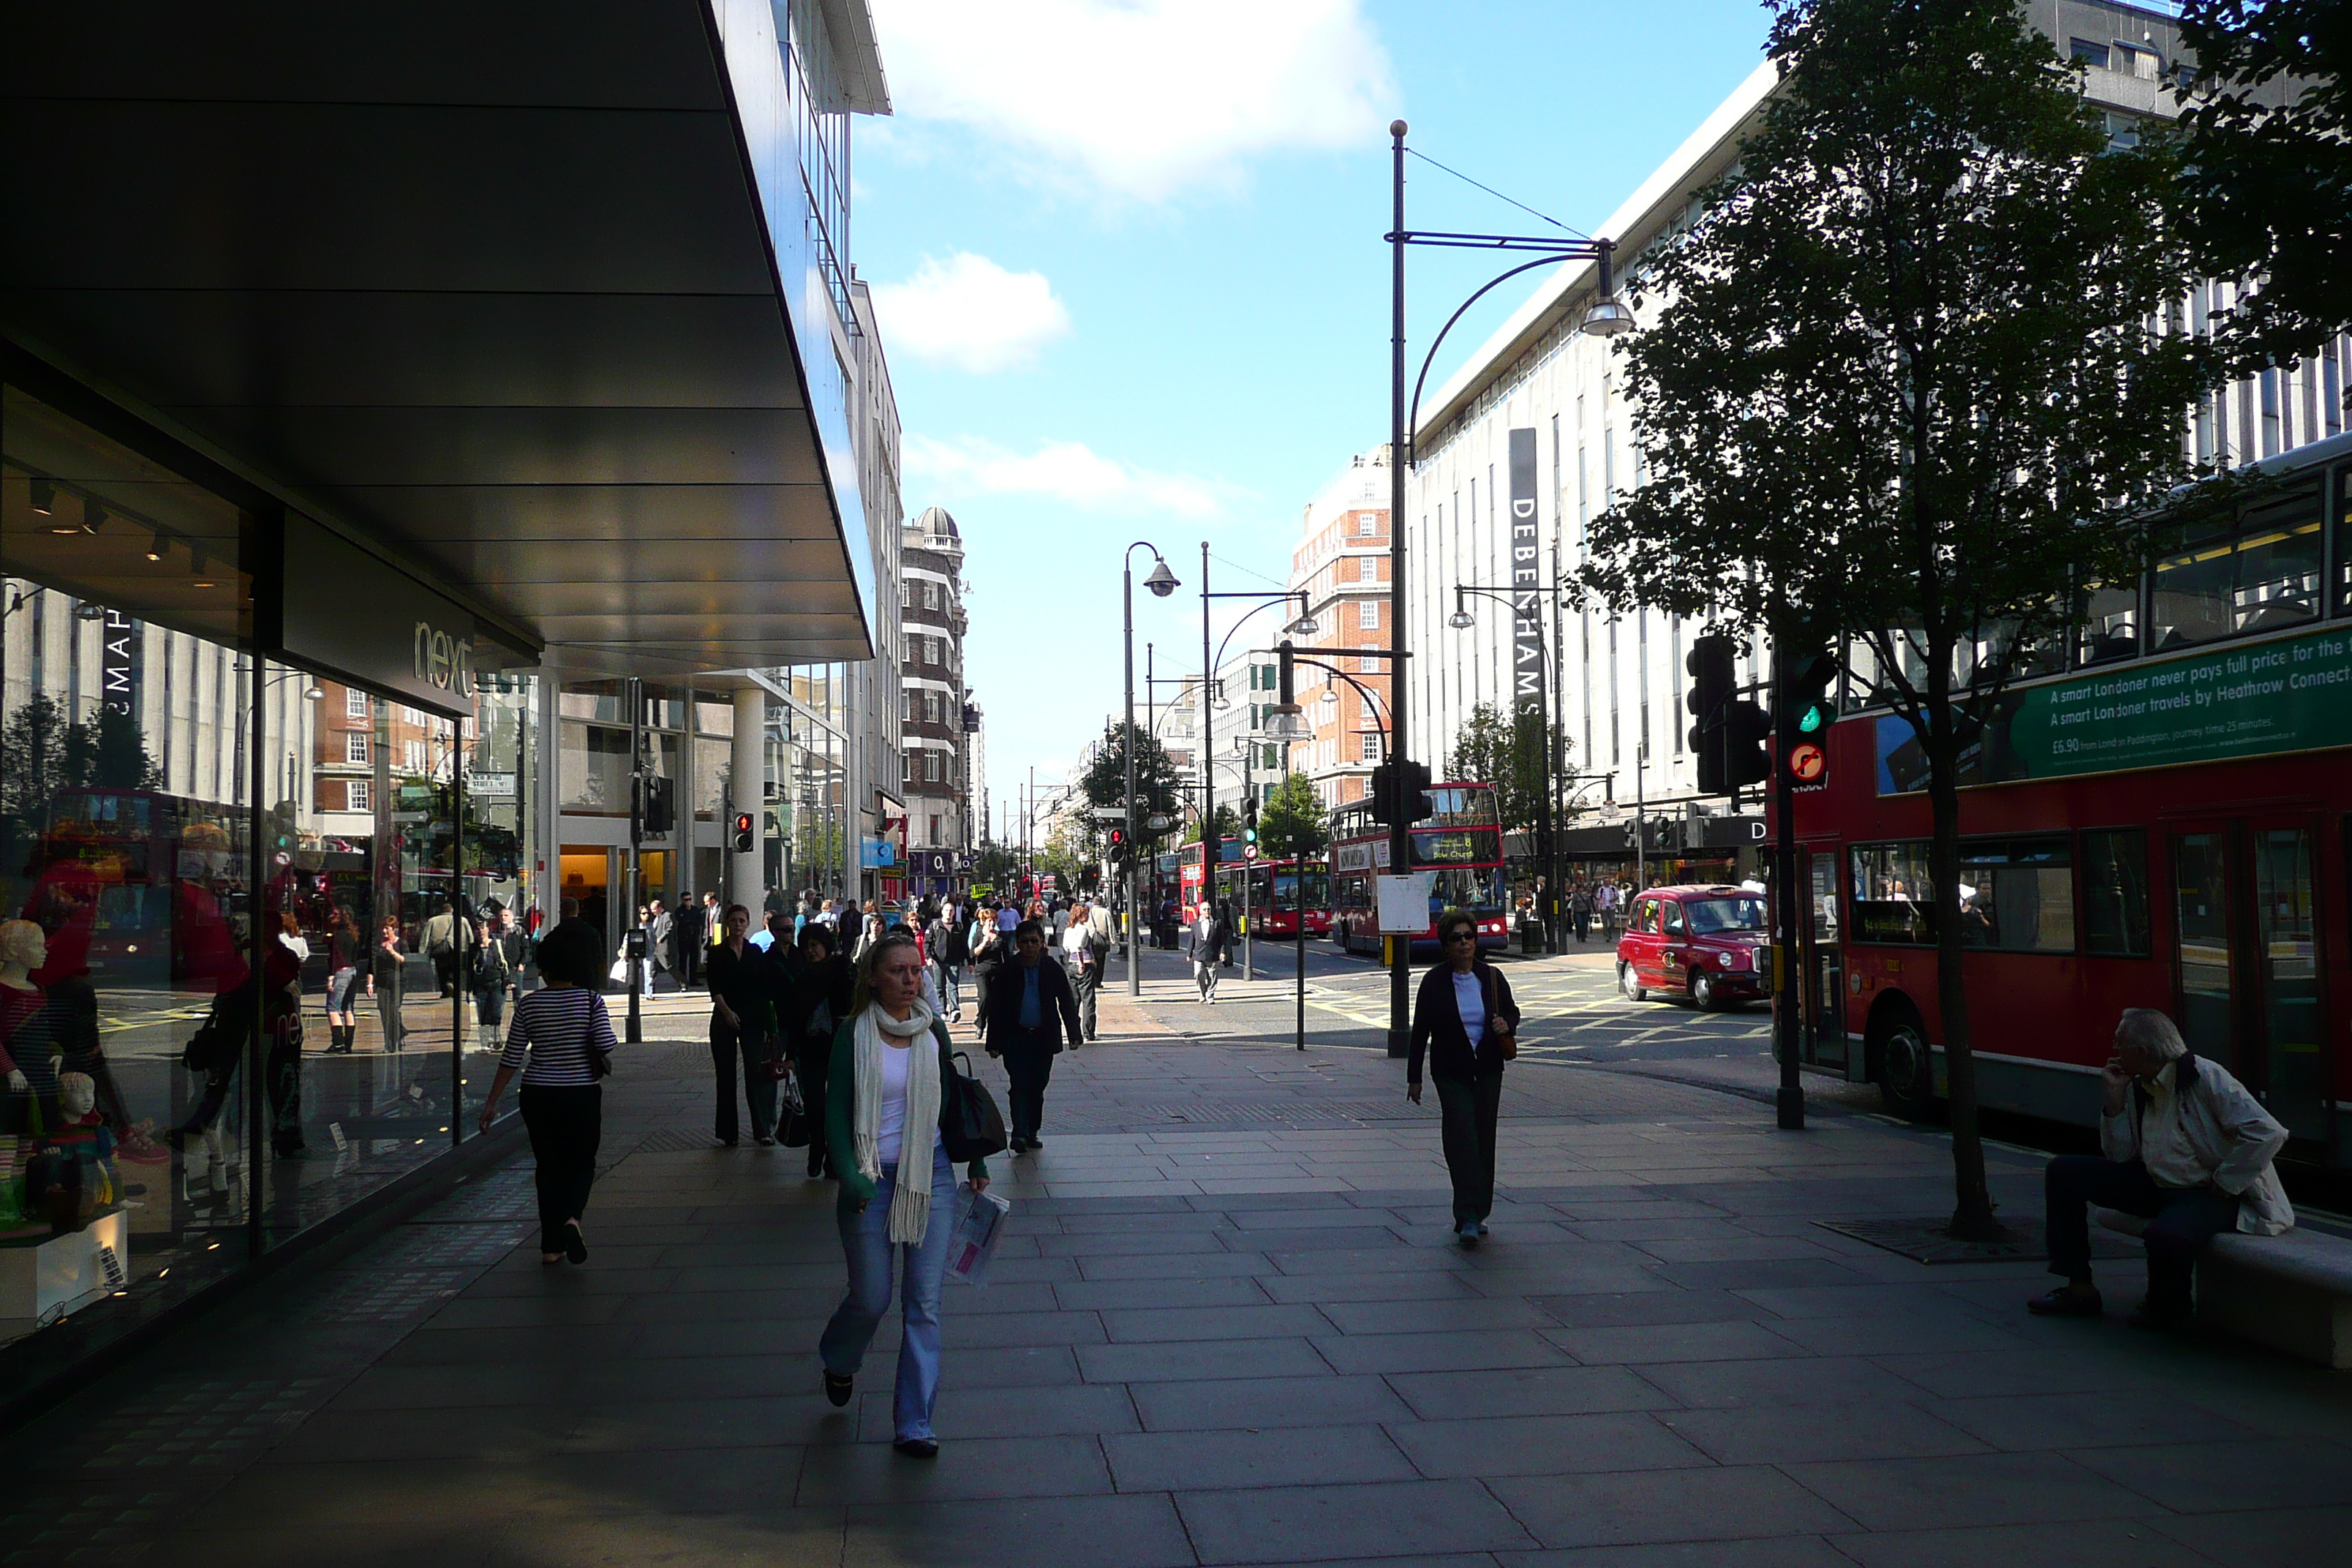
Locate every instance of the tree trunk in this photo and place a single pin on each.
(1972, 1217)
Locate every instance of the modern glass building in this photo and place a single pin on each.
(419, 428)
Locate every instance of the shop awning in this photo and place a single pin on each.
(490, 285)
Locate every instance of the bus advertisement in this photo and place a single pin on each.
(1461, 842)
(2163, 819)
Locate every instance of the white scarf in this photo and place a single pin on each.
(911, 1207)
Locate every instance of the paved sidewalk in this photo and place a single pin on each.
(1228, 1327)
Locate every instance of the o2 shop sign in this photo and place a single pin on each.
(442, 661)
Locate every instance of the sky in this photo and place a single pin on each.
(1126, 259)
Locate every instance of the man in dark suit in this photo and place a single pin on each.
(1031, 1010)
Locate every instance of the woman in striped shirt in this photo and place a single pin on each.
(566, 1034)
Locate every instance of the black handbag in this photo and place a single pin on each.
(970, 1126)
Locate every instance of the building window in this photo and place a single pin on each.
(1368, 615)
(1369, 751)
(355, 746)
(355, 703)
(411, 754)
(355, 796)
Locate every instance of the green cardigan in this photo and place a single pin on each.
(841, 1093)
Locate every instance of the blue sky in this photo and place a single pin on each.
(1128, 260)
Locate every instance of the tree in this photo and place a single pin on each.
(1290, 823)
(1506, 751)
(1157, 781)
(2266, 193)
(1907, 386)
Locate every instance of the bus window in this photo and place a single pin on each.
(2018, 895)
(2115, 892)
(1893, 898)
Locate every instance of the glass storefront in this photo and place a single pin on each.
(259, 922)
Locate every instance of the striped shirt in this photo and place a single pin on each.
(557, 1030)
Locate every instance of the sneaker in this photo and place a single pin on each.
(2066, 1302)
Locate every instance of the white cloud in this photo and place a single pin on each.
(1141, 98)
(1066, 471)
(968, 312)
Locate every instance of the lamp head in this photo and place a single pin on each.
(1163, 582)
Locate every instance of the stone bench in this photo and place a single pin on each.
(2291, 1292)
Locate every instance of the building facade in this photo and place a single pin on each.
(1341, 563)
(322, 651)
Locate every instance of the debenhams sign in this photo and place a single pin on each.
(348, 614)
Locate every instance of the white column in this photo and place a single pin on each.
(747, 788)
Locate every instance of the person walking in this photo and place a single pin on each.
(1030, 1010)
(743, 1024)
(815, 998)
(385, 964)
(346, 953)
(1466, 1025)
(893, 1076)
(1210, 936)
(561, 1042)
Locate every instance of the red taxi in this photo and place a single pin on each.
(1707, 944)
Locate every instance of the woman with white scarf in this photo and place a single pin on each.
(884, 1095)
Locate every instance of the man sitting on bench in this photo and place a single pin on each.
(2187, 1148)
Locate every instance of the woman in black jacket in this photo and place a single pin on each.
(1467, 1024)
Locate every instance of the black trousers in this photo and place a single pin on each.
(813, 1063)
(565, 1123)
(1467, 1111)
(1030, 1065)
(758, 1089)
(2181, 1220)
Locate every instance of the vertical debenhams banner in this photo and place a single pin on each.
(346, 613)
(1527, 577)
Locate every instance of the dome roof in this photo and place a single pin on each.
(935, 521)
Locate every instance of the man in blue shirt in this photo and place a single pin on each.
(1030, 1010)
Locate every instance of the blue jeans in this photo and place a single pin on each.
(865, 1243)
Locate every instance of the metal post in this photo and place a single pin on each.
(1400, 952)
(1126, 745)
(636, 689)
(1788, 1017)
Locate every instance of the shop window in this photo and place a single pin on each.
(2018, 895)
(1894, 897)
(2115, 892)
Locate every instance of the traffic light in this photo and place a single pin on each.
(1712, 681)
(1809, 710)
(743, 832)
(660, 805)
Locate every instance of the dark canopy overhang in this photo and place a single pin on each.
(488, 284)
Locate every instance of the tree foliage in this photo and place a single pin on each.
(1508, 751)
(2266, 193)
(1910, 377)
(1291, 822)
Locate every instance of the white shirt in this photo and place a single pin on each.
(1470, 1001)
(2164, 1147)
(892, 1134)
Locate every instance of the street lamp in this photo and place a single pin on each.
(1162, 582)
(1606, 317)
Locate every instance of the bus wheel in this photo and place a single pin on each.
(1703, 990)
(1905, 1075)
(1630, 983)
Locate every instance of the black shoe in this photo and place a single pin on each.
(918, 1448)
(576, 1246)
(2066, 1302)
(838, 1388)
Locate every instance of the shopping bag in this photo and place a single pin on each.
(972, 1244)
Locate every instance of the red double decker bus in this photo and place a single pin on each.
(2159, 816)
(1460, 843)
(1266, 894)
